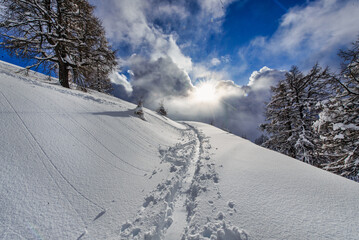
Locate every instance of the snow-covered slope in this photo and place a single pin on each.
(77, 165)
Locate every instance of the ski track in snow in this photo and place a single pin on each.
(38, 145)
(86, 146)
(45, 154)
(32, 139)
(54, 172)
(197, 183)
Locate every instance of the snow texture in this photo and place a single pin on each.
(78, 165)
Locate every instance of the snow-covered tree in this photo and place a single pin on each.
(291, 113)
(59, 34)
(162, 110)
(139, 109)
(279, 125)
(338, 126)
(349, 78)
(338, 123)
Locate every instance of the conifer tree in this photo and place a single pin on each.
(291, 113)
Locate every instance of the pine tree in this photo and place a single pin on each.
(60, 34)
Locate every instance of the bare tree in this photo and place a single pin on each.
(291, 112)
(349, 78)
(60, 34)
(338, 123)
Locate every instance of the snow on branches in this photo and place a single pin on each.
(62, 34)
(291, 113)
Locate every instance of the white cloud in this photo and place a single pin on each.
(125, 21)
(322, 24)
(170, 9)
(130, 72)
(313, 31)
(243, 64)
(159, 70)
(121, 79)
(167, 46)
(222, 102)
(264, 78)
(201, 72)
(215, 61)
(225, 59)
(215, 8)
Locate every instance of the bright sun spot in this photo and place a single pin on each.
(206, 92)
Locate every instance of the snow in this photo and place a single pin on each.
(339, 136)
(78, 165)
(278, 197)
(344, 127)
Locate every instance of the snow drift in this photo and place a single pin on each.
(80, 165)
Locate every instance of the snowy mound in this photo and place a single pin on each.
(80, 165)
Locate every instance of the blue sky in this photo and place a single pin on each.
(244, 21)
(229, 39)
(215, 60)
(175, 51)
(218, 35)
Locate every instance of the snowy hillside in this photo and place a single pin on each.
(77, 165)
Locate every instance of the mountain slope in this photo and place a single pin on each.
(277, 197)
(80, 165)
(68, 156)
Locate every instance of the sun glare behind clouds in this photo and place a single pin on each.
(205, 92)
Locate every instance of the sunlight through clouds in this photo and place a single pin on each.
(205, 92)
(178, 54)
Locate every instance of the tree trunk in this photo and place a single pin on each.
(64, 75)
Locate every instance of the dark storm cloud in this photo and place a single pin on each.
(158, 79)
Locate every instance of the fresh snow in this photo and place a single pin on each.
(78, 165)
(339, 136)
(345, 126)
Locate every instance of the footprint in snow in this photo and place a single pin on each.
(231, 204)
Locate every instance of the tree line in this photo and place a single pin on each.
(61, 35)
(314, 117)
